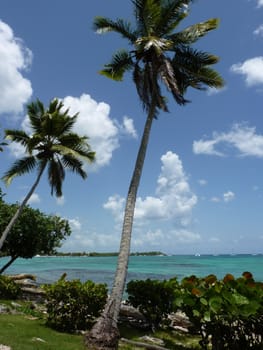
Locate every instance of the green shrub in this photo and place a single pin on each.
(227, 313)
(73, 305)
(8, 288)
(153, 298)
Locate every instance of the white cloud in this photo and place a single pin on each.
(252, 69)
(94, 121)
(241, 137)
(260, 3)
(259, 30)
(17, 150)
(34, 199)
(184, 236)
(75, 224)
(128, 127)
(202, 182)
(15, 58)
(206, 147)
(60, 200)
(91, 241)
(115, 204)
(228, 196)
(214, 91)
(215, 199)
(173, 200)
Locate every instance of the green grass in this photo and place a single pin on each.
(24, 331)
(21, 333)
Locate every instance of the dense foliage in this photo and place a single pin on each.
(227, 313)
(73, 305)
(34, 232)
(8, 288)
(154, 299)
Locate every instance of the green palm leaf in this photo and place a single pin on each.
(75, 165)
(18, 136)
(120, 63)
(194, 32)
(20, 167)
(56, 175)
(104, 25)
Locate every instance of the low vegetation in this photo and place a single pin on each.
(73, 305)
(222, 314)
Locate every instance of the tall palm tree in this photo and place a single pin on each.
(159, 57)
(52, 145)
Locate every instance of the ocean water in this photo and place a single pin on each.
(102, 269)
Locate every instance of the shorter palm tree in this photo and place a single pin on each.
(52, 146)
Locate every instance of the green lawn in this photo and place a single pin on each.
(21, 333)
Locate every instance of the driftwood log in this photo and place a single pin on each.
(142, 344)
(30, 290)
(22, 276)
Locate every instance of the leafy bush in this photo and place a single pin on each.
(153, 298)
(8, 288)
(73, 305)
(228, 311)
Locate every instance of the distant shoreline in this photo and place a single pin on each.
(97, 254)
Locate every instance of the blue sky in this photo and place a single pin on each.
(202, 184)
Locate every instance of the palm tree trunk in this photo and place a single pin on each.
(104, 335)
(13, 258)
(21, 207)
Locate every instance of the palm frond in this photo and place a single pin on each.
(18, 136)
(192, 60)
(192, 69)
(170, 80)
(209, 77)
(192, 33)
(56, 175)
(120, 63)
(148, 88)
(76, 152)
(104, 25)
(20, 167)
(74, 165)
(35, 111)
(172, 13)
(147, 16)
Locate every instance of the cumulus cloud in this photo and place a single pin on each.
(34, 199)
(60, 200)
(93, 121)
(241, 137)
(228, 196)
(91, 241)
(128, 127)
(173, 198)
(75, 224)
(15, 58)
(259, 30)
(251, 69)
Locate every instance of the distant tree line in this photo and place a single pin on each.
(95, 254)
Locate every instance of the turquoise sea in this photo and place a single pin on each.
(101, 269)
